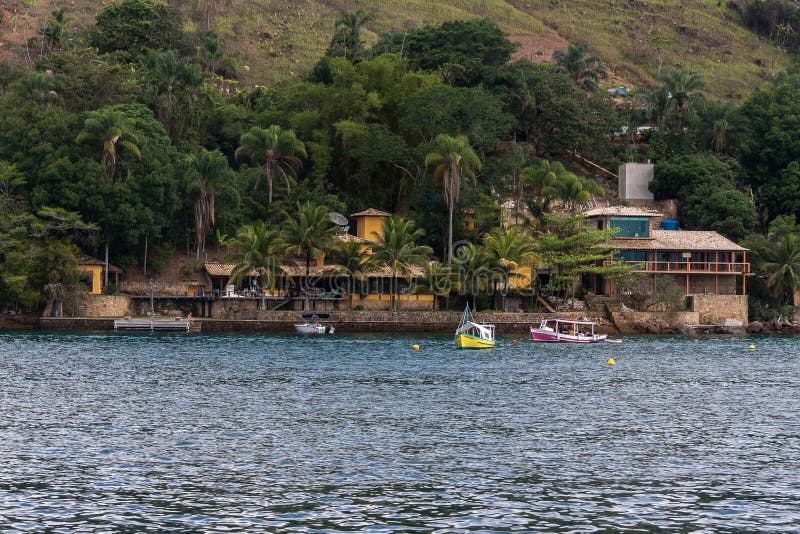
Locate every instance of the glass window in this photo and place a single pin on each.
(632, 255)
(631, 226)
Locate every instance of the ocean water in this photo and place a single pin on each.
(117, 432)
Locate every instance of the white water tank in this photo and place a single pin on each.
(634, 179)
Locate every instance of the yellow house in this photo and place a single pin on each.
(369, 223)
(92, 270)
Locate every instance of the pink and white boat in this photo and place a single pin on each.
(566, 331)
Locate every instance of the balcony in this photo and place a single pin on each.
(689, 267)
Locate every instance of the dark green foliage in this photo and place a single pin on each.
(770, 144)
(776, 19)
(136, 25)
(718, 207)
(465, 52)
(554, 115)
(675, 177)
(708, 197)
(87, 80)
(444, 109)
(772, 130)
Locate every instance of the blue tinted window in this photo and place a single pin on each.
(632, 255)
(631, 226)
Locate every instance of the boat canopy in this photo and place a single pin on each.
(571, 321)
(485, 331)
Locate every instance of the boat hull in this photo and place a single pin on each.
(464, 341)
(313, 329)
(549, 336)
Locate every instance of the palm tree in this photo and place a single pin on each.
(713, 124)
(682, 87)
(170, 76)
(311, 234)
(259, 248)
(353, 260)
(584, 70)
(205, 170)
(439, 280)
(53, 29)
(540, 180)
(473, 273)
(276, 150)
(508, 249)
(783, 267)
(397, 248)
(347, 30)
(656, 104)
(110, 132)
(451, 157)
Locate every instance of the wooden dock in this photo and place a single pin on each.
(151, 325)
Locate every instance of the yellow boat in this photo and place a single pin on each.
(470, 335)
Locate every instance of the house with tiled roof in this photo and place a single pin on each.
(328, 284)
(705, 263)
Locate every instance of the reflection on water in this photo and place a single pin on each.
(353, 432)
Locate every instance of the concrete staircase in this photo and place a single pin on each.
(609, 308)
(617, 318)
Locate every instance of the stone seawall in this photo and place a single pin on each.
(714, 309)
(383, 321)
(364, 321)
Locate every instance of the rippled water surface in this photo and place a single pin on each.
(344, 433)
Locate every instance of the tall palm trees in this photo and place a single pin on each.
(584, 70)
(311, 234)
(257, 248)
(276, 150)
(170, 77)
(508, 250)
(353, 260)
(451, 158)
(783, 267)
(347, 30)
(205, 170)
(397, 248)
(109, 131)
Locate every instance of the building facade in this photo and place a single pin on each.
(701, 261)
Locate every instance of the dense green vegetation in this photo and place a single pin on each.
(132, 143)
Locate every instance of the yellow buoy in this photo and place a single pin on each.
(752, 347)
(611, 361)
(415, 346)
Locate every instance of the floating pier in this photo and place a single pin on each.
(151, 325)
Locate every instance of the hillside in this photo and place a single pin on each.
(276, 39)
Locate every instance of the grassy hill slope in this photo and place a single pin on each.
(276, 39)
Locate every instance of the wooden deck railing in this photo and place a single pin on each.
(696, 267)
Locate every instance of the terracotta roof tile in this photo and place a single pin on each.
(371, 212)
(88, 260)
(215, 268)
(680, 240)
(350, 237)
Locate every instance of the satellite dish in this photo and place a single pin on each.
(338, 219)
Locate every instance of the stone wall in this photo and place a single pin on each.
(674, 319)
(714, 309)
(386, 321)
(98, 306)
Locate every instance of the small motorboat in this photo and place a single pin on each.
(471, 335)
(311, 326)
(567, 331)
